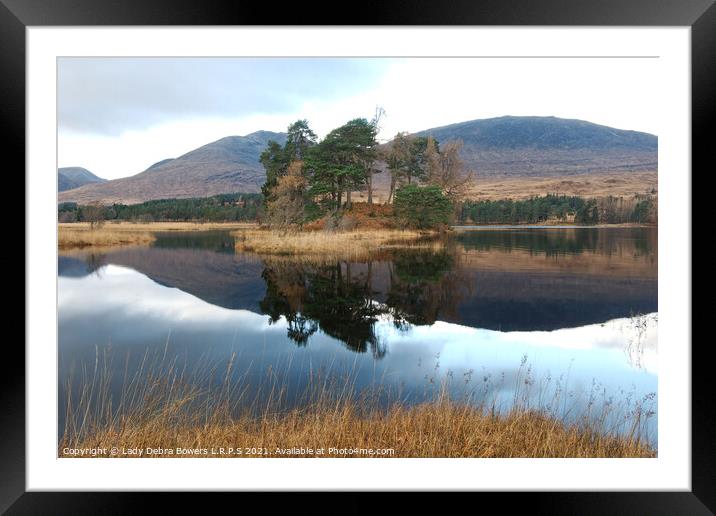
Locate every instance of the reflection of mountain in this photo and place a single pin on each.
(481, 282)
(79, 267)
(221, 279)
(71, 267)
(515, 300)
(422, 288)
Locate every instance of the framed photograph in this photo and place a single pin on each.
(449, 252)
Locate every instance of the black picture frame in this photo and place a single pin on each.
(700, 15)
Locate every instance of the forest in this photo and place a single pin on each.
(218, 208)
(552, 207)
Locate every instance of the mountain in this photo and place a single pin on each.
(74, 177)
(160, 163)
(524, 146)
(509, 147)
(230, 164)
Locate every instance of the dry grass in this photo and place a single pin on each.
(357, 244)
(164, 407)
(603, 184)
(111, 234)
(74, 236)
(437, 429)
(588, 185)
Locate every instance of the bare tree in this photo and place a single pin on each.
(371, 169)
(94, 214)
(447, 170)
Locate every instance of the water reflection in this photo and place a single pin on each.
(580, 304)
(484, 279)
(346, 299)
(633, 241)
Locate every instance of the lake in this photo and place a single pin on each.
(563, 319)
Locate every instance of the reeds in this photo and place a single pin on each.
(343, 245)
(70, 237)
(169, 409)
(109, 234)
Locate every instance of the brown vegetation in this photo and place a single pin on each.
(284, 207)
(344, 245)
(446, 169)
(592, 185)
(79, 234)
(75, 235)
(164, 410)
(360, 215)
(438, 429)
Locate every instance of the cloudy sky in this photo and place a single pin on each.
(117, 116)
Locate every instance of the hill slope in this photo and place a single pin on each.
(530, 148)
(74, 177)
(230, 164)
(519, 146)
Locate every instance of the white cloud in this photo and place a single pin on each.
(416, 94)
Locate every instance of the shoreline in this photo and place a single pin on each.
(80, 235)
(553, 226)
(253, 237)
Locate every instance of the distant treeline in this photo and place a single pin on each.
(219, 208)
(603, 210)
(248, 207)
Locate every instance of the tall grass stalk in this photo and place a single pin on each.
(165, 404)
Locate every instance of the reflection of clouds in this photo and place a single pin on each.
(640, 331)
(124, 291)
(605, 342)
(598, 349)
(130, 309)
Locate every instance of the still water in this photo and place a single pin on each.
(562, 318)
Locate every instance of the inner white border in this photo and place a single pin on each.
(671, 470)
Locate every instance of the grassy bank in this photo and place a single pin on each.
(81, 234)
(354, 244)
(165, 405)
(437, 429)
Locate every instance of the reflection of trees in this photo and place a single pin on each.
(326, 295)
(219, 241)
(422, 287)
(94, 262)
(285, 288)
(551, 242)
(343, 307)
(346, 299)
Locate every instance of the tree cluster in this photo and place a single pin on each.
(422, 207)
(307, 178)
